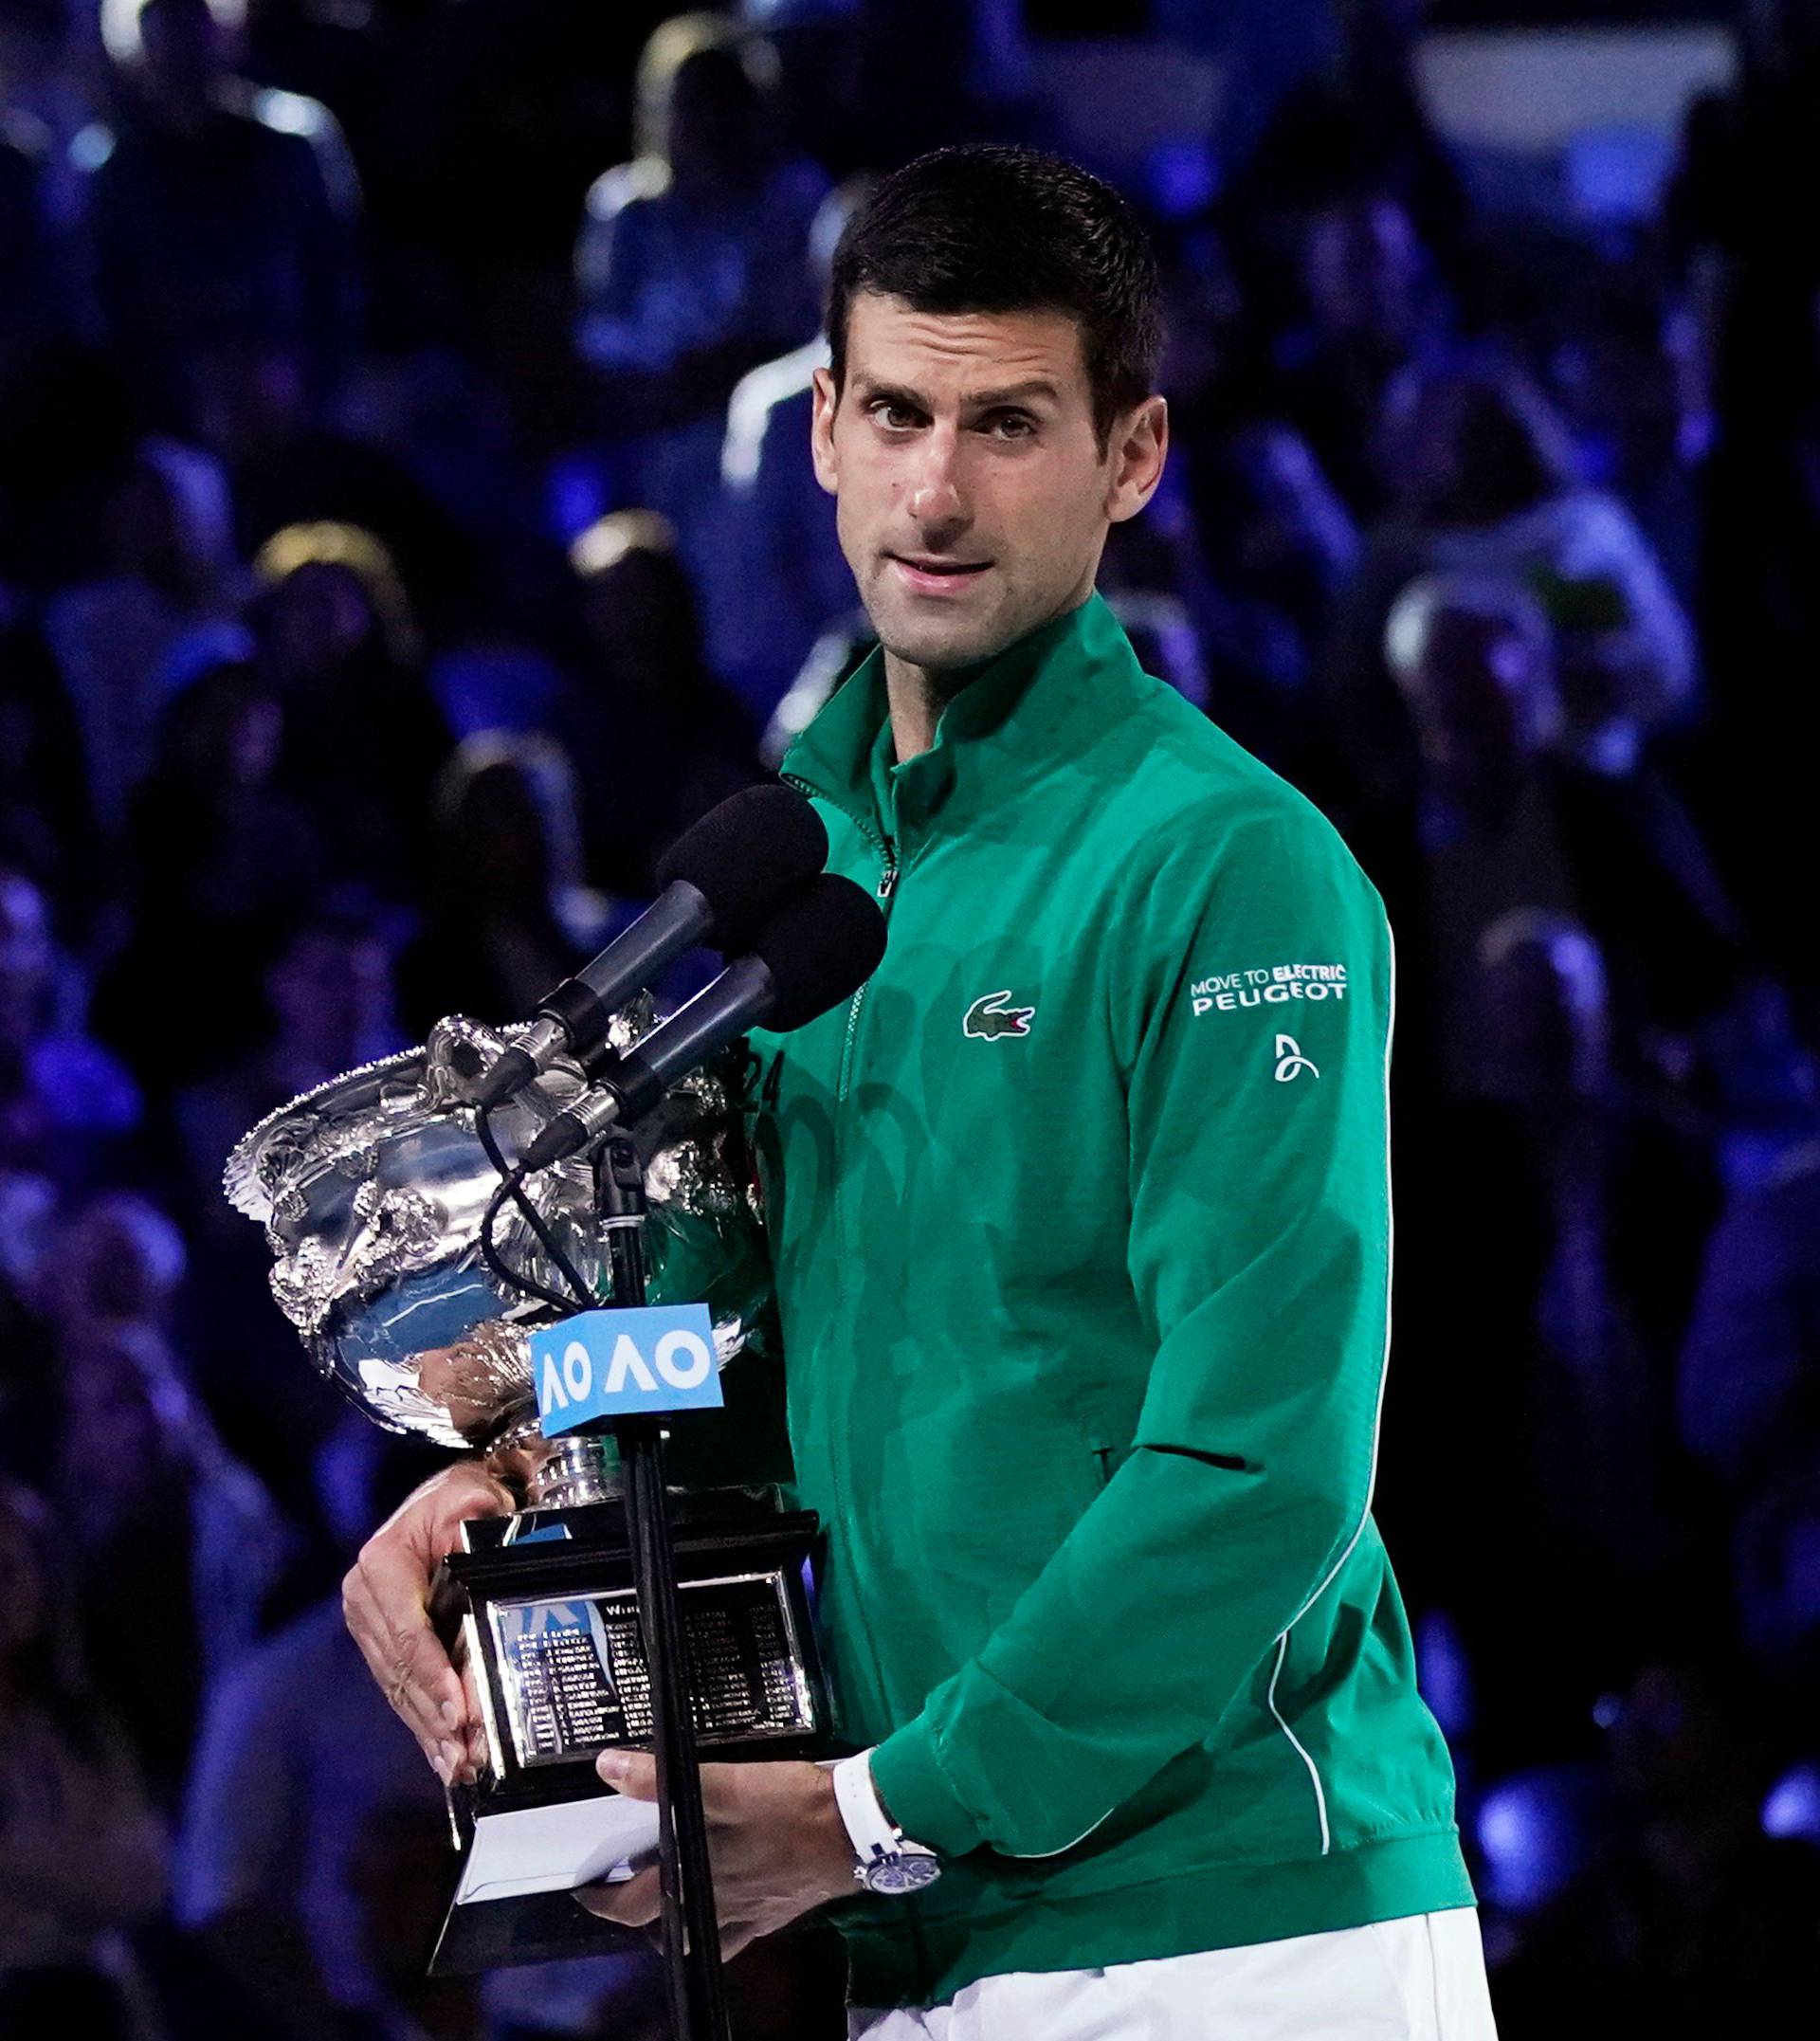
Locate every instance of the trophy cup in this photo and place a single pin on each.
(372, 1190)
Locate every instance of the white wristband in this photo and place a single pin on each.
(867, 1829)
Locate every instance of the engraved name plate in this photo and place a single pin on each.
(573, 1672)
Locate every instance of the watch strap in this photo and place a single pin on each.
(869, 1829)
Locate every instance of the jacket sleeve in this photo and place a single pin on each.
(1259, 1260)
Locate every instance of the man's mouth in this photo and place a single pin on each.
(929, 574)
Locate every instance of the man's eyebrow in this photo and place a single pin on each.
(1035, 386)
(870, 390)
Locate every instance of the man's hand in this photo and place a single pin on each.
(775, 1839)
(385, 1598)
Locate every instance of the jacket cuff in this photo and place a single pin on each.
(909, 1778)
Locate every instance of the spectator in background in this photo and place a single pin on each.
(176, 1548)
(937, 72)
(820, 45)
(249, 403)
(1368, 316)
(168, 576)
(363, 738)
(1776, 1581)
(1557, 1216)
(1753, 257)
(49, 84)
(27, 1354)
(693, 266)
(82, 1853)
(1726, 1912)
(46, 821)
(656, 736)
(327, 985)
(508, 913)
(66, 1105)
(1760, 616)
(218, 855)
(300, 1773)
(784, 579)
(1640, 1888)
(211, 210)
(1748, 1396)
(212, 837)
(1279, 548)
(1488, 485)
(1493, 486)
(31, 286)
(1276, 531)
(328, 1007)
(115, 1258)
(1496, 814)
(1633, 374)
(1360, 125)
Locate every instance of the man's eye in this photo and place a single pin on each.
(894, 417)
(1010, 425)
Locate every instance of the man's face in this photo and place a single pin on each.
(972, 499)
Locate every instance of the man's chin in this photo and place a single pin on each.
(940, 643)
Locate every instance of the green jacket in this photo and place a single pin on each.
(1081, 1218)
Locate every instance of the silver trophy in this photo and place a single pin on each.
(371, 1189)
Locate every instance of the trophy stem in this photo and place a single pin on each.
(576, 1470)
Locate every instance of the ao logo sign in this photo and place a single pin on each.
(620, 1363)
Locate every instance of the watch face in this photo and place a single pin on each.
(902, 1874)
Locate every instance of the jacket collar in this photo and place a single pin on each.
(1024, 715)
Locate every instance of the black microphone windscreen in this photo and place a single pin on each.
(745, 854)
(819, 948)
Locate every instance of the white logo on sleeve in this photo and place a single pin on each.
(1266, 985)
(1290, 1060)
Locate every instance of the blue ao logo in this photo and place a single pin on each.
(623, 1362)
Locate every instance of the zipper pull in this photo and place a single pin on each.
(888, 882)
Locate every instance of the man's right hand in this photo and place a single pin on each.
(385, 1598)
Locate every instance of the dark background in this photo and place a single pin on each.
(405, 529)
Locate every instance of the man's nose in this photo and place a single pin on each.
(937, 500)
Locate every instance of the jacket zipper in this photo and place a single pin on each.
(841, 1393)
(887, 887)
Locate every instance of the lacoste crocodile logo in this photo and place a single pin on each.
(991, 1017)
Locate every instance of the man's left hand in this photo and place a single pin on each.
(775, 1840)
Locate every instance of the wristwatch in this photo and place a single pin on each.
(888, 1860)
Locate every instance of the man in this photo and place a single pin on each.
(213, 209)
(1080, 1220)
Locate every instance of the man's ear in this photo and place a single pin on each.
(821, 429)
(1139, 446)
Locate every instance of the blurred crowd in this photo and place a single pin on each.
(406, 527)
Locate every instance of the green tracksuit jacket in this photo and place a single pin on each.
(1081, 1219)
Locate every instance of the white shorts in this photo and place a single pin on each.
(1421, 1978)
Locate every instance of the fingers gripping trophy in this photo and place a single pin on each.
(528, 1244)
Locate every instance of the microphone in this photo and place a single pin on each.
(815, 951)
(720, 879)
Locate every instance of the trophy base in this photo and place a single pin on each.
(540, 1609)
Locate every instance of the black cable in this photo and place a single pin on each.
(514, 1279)
(512, 1182)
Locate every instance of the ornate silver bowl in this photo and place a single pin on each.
(372, 1189)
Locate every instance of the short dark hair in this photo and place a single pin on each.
(991, 227)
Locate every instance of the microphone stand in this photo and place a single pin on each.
(691, 1930)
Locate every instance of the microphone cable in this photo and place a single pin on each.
(512, 1186)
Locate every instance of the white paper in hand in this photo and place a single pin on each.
(555, 1849)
